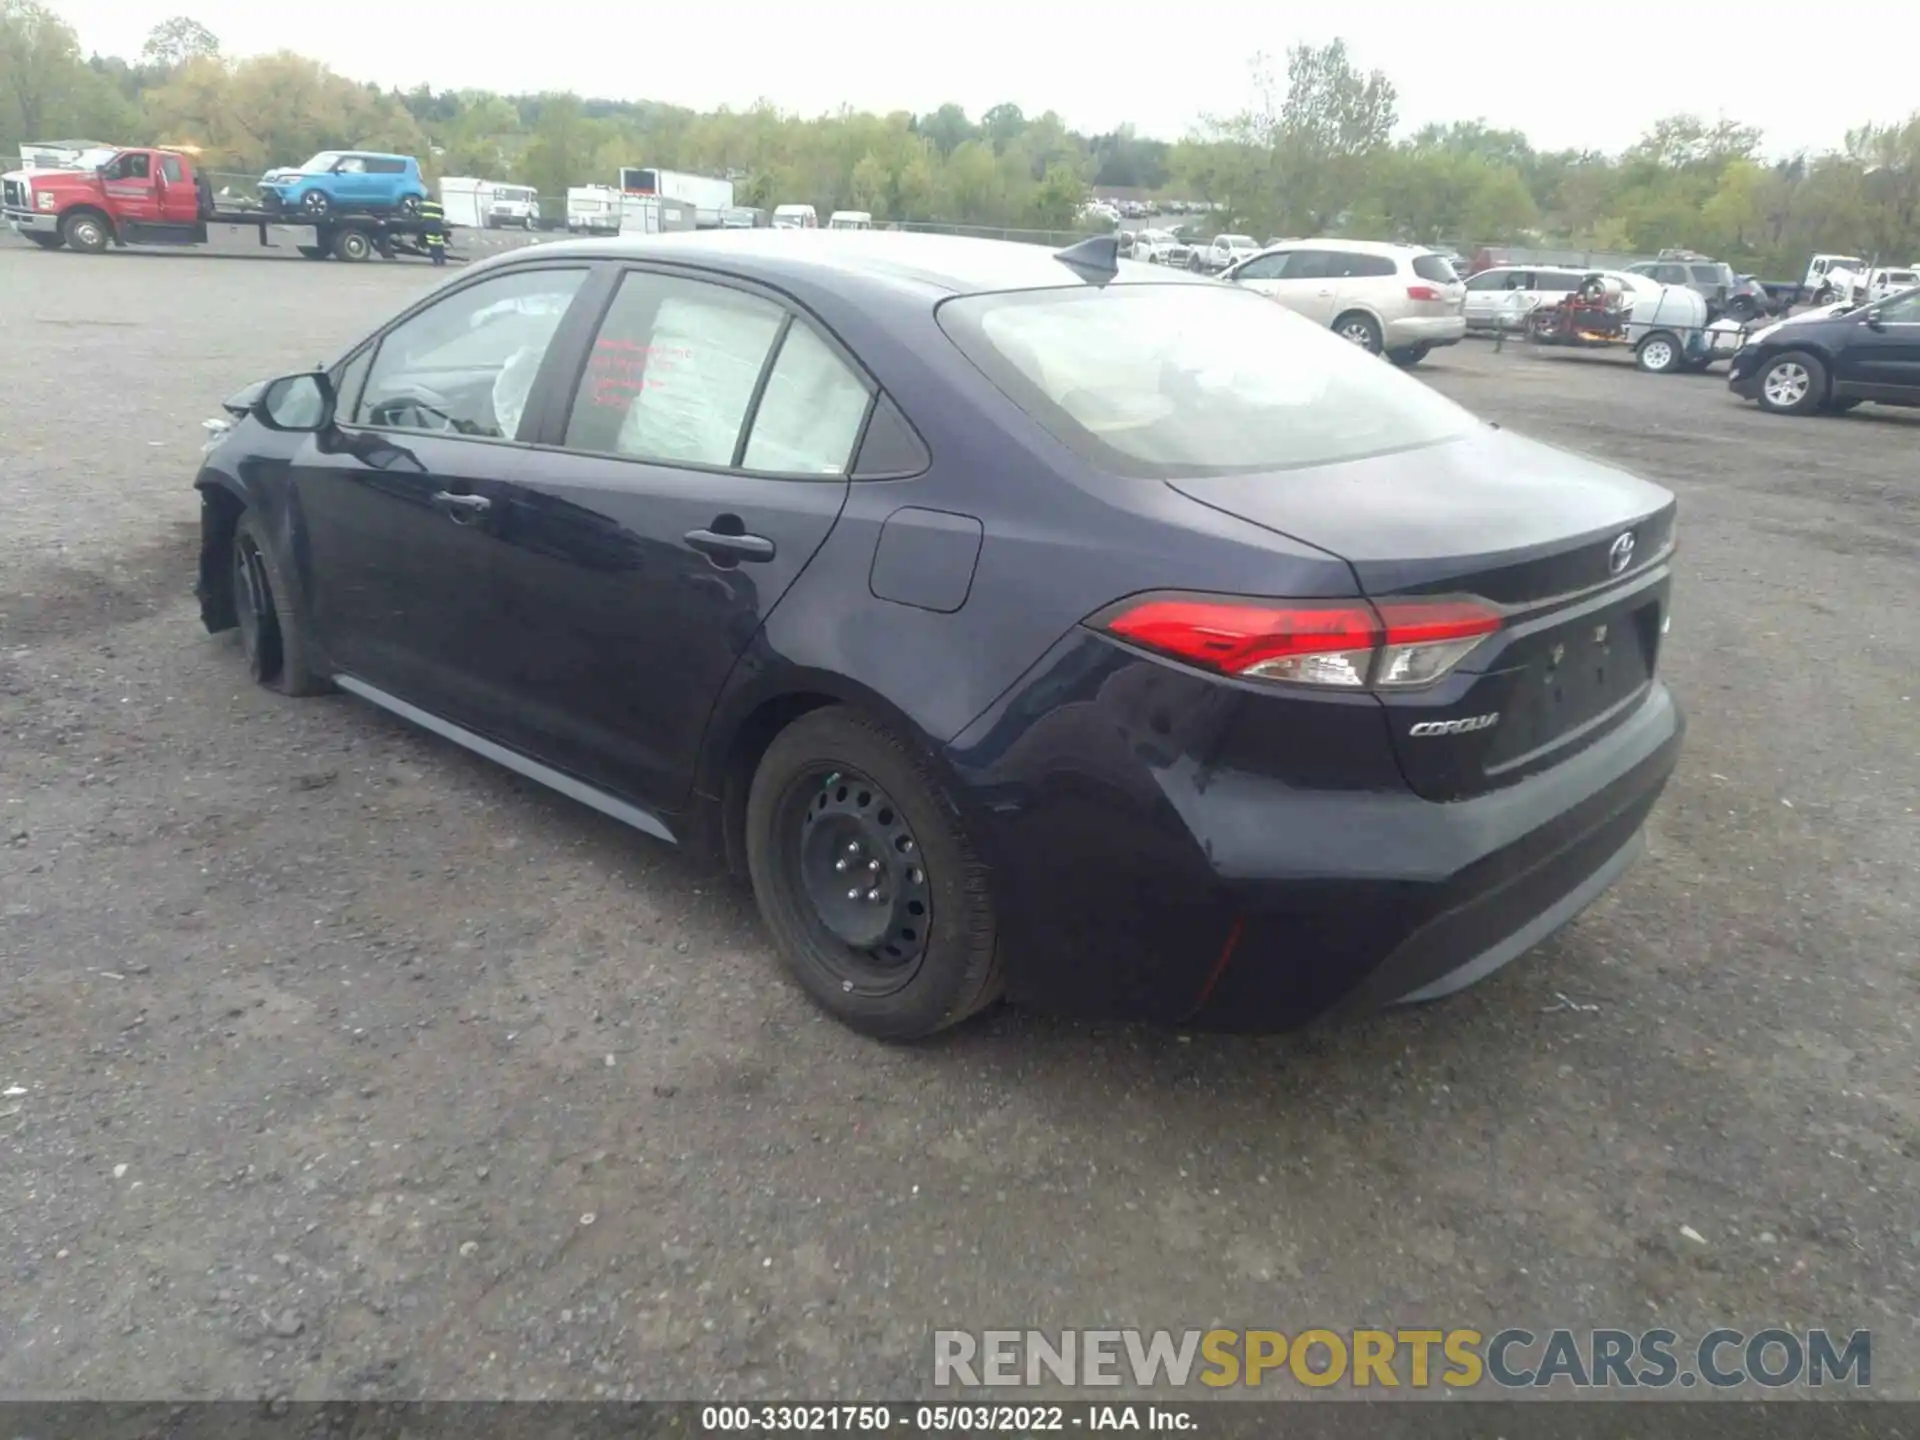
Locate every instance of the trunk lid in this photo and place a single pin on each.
(1573, 552)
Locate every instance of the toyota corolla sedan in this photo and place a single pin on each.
(1020, 623)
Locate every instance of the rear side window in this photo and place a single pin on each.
(1436, 268)
(810, 414)
(1709, 275)
(170, 167)
(386, 167)
(1164, 381)
(1311, 264)
(1349, 265)
(1557, 282)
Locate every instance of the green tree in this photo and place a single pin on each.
(172, 43)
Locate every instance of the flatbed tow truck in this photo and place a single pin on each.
(157, 196)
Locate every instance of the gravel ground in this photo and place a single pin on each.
(339, 1063)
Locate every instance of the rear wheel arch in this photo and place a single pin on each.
(740, 734)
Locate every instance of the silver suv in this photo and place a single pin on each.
(1402, 301)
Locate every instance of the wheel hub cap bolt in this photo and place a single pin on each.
(873, 897)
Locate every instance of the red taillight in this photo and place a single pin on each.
(1423, 292)
(1350, 644)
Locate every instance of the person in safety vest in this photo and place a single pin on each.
(435, 233)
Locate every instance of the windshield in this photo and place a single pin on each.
(322, 162)
(1177, 380)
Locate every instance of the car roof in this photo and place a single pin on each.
(937, 264)
(1360, 247)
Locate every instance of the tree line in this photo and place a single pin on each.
(1314, 152)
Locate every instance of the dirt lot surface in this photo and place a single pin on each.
(337, 1062)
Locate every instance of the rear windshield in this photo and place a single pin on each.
(1165, 381)
(1436, 268)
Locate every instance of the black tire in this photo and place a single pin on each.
(1361, 329)
(86, 231)
(836, 778)
(316, 203)
(1842, 406)
(1660, 353)
(1409, 356)
(45, 241)
(352, 245)
(273, 643)
(1792, 383)
(1743, 308)
(312, 252)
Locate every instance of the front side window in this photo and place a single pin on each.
(1264, 267)
(130, 166)
(322, 162)
(673, 371)
(1489, 280)
(351, 165)
(1164, 381)
(466, 364)
(1902, 309)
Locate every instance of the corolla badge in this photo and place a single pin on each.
(1620, 554)
(1454, 727)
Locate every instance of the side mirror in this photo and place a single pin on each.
(300, 404)
(1875, 320)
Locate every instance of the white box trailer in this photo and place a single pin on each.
(489, 204)
(710, 196)
(646, 215)
(594, 210)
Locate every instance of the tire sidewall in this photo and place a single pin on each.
(1673, 350)
(1376, 339)
(1816, 395)
(947, 985)
(76, 225)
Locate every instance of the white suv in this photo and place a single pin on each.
(1398, 300)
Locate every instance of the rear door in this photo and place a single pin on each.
(694, 467)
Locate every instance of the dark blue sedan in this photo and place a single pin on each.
(1022, 623)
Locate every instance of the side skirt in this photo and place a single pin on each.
(644, 821)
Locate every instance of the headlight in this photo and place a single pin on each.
(45, 199)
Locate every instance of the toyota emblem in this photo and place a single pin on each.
(1620, 554)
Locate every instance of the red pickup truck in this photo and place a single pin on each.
(158, 197)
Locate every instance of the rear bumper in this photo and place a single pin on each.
(1177, 888)
(1435, 330)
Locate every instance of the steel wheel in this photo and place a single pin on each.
(1786, 385)
(854, 860)
(253, 606)
(1658, 355)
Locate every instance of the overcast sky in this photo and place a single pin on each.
(1585, 76)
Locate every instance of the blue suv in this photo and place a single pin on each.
(346, 180)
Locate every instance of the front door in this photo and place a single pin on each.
(398, 502)
(697, 467)
(132, 188)
(1881, 360)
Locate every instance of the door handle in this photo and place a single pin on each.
(712, 543)
(462, 509)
